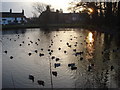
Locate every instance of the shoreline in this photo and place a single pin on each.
(104, 29)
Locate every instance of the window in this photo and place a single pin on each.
(9, 21)
(3, 19)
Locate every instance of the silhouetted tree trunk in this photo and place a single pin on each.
(108, 11)
(118, 13)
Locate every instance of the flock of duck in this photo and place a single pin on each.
(72, 66)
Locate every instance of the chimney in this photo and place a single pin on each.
(22, 11)
(10, 10)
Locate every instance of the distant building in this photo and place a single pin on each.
(12, 18)
(49, 17)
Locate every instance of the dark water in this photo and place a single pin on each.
(96, 56)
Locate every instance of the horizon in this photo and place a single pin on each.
(27, 7)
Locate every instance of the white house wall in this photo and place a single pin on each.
(19, 19)
(5, 21)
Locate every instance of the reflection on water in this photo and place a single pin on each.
(90, 37)
(61, 58)
(89, 46)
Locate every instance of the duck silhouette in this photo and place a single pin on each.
(5, 51)
(57, 59)
(59, 48)
(11, 57)
(73, 68)
(36, 51)
(41, 54)
(51, 50)
(81, 58)
(31, 41)
(53, 57)
(65, 51)
(23, 42)
(74, 50)
(112, 67)
(41, 49)
(56, 65)
(48, 49)
(78, 53)
(29, 54)
(40, 82)
(54, 73)
(71, 64)
(20, 45)
(31, 77)
(38, 39)
(89, 68)
(50, 53)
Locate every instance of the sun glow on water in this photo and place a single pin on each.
(90, 37)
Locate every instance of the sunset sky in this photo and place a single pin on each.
(17, 5)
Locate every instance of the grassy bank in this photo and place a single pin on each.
(8, 27)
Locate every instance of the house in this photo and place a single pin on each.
(12, 18)
(50, 17)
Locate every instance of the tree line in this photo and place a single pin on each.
(103, 13)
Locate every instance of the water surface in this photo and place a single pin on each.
(99, 51)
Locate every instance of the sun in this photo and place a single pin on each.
(90, 10)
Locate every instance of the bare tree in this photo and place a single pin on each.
(39, 7)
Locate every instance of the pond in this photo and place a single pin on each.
(60, 58)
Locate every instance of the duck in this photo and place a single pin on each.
(23, 42)
(112, 67)
(51, 50)
(41, 54)
(11, 57)
(36, 51)
(74, 50)
(57, 59)
(48, 49)
(31, 77)
(65, 51)
(56, 65)
(59, 48)
(29, 54)
(53, 57)
(31, 41)
(73, 68)
(78, 53)
(40, 82)
(5, 51)
(69, 46)
(67, 43)
(75, 45)
(50, 53)
(81, 58)
(54, 73)
(41, 49)
(71, 64)
(36, 43)
(38, 39)
(89, 68)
